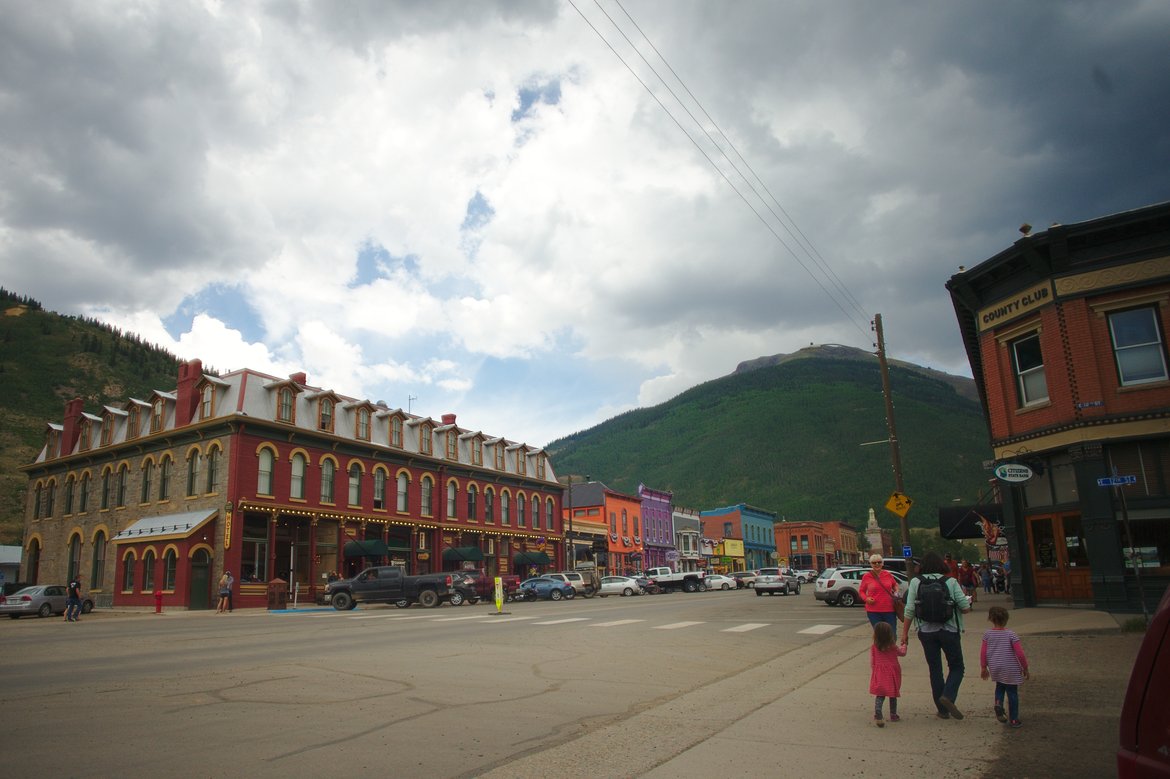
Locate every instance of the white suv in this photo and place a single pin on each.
(839, 586)
(574, 580)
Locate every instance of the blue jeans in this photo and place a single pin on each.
(883, 616)
(1013, 698)
(72, 608)
(935, 645)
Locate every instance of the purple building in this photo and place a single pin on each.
(657, 528)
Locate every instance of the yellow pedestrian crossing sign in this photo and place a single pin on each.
(899, 504)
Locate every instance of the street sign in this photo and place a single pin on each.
(899, 504)
(907, 552)
(1015, 473)
(1116, 481)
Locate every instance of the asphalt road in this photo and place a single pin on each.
(447, 692)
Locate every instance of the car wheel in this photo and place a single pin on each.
(602, 594)
(86, 606)
(45, 610)
(402, 603)
(725, 586)
(428, 598)
(570, 594)
(342, 601)
(457, 599)
(627, 592)
(555, 595)
(690, 586)
(798, 589)
(759, 594)
(847, 599)
(472, 601)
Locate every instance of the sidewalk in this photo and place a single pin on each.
(818, 720)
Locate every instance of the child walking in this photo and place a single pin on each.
(1002, 659)
(885, 677)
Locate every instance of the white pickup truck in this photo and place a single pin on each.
(687, 581)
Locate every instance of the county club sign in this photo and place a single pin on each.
(1016, 473)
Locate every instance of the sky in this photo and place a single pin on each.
(539, 215)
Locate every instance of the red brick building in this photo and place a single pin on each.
(1066, 334)
(271, 477)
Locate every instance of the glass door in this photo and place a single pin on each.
(1060, 561)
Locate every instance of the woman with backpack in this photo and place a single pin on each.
(937, 603)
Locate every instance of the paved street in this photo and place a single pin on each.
(671, 685)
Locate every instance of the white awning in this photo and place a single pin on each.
(165, 527)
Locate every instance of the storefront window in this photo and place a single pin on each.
(1150, 548)
(254, 550)
(326, 539)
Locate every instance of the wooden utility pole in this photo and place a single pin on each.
(895, 452)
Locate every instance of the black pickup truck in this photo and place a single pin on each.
(390, 584)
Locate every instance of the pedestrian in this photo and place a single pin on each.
(985, 574)
(952, 567)
(885, 672)
(1001, 658)
(936, 602)
(968, 580)
(73, 600)
(879, 592)
(224, 591)
(231, 582)
(1007, 576)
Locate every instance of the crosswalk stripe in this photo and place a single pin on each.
(677, 625)
(461, 619)
(616, 622)
(745, 627)
(562, 621)
(819, 629)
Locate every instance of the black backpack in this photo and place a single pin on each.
(934, 603)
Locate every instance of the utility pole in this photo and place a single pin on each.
(895, 452)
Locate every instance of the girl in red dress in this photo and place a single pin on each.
(885, 679)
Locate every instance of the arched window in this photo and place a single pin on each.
(264, 477)
(83, 495)
(296, 487)
(50, 492)
(192, 473)
(403, 482)
(549, 513)
(69, 485)
(123, 484)
(355, 485)
(105, 504)
(396, 432)
(489, 506)
(148, 571)
(535, 512)
(147, 473)
(379, 489)
(505, 508)
(156, 415)
(426, 508)
(164, 478)
(326, 419)
(626, 523)
(284, 405)
(74, 557)
(363, 424)
(36, 512)
(472, 494)
(170, 567)
(328, 474)
(521, 511)
(97, 574)
(206, 406)
(212, 469)
(451, 500)
(128, 573)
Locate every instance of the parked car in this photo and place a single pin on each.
(544, 588)
(806, 576)
(485, 586)
(1145, 717)
(773, 583)
(839, 586)
(575, 580)
(464, 585)
(620, 585)
(41, 600)
(717, 581)
(744, 578)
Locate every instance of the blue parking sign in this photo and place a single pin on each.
(906, 551)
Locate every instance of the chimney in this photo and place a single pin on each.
(299, 378)
(448, 419)
(186, 399)
(71, 428)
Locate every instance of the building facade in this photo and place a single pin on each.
(753, 526)
(271, 478)
(687, 535)
(657, 528)
(1066, 334)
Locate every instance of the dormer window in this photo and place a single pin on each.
(424, 438)
(107, 430)
(522, 461)
(540, 462)
(452, 445)
(396, 432)
(51, 444)
(363, 424)
(207, 402)
(476, 451)
(285, 408)
(132, 422)
(325, 420)
(499, 451)
(156, 415)
(86, 437)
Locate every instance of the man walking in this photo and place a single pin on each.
(73, 600)
(231, 581)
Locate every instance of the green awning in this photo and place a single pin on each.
(372, 547)
(532, 558)
(471, 553)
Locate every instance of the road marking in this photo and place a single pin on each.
(745, 627)
(393, 616)
(615, 623)
(460, 619)
(819, 629)
(562, 621)
(677, 625)
(505, 619)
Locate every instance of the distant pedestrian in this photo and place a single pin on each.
(879, 593)
(73, 600)
(224, 592)
(885, 672)
(231, 585)
(952, 567)
(937, 603)
(969, 580)
(1001, 658)
(985, 574)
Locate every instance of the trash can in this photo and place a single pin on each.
(277, 594)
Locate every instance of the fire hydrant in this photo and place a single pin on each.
(158, 601)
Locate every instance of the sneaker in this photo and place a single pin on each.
(950, 706)
(1015, 724)
(943, 715)
(895, 718)
(877, 720)
(999, 713)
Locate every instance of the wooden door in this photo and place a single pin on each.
(1060, 563)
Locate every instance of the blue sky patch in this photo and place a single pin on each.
(548, 93)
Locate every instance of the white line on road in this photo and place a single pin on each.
(460, 619)
(819, 629)
(745, 627)
(615, 623)
(562, 621)
(677, 625)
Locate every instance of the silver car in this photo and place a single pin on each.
(620, 585)
(40, 600)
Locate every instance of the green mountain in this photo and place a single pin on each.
(786, 434)
(47, 359)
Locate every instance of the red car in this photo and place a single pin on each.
(1144, 749)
